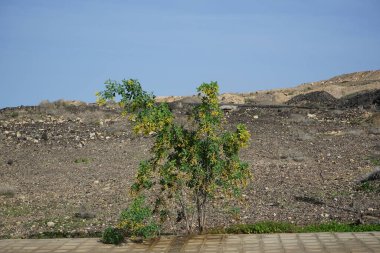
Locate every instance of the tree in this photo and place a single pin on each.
(189, 166)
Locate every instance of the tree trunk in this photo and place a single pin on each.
(185, 213)
(201, 210)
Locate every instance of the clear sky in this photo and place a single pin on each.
(52, 49)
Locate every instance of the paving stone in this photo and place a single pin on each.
(313, 242)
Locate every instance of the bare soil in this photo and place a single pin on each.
(68, 168)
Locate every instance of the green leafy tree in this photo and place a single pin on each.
(190, 166)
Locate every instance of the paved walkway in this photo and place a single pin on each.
(268, 243)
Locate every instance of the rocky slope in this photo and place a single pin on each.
(67, 168)
(338, 86)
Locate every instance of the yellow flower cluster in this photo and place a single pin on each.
(99, 99)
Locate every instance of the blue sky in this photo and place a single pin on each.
(66, 49)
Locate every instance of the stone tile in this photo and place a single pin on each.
(289, 247)
(30, 248)
(346, 235)
(274, 251)
(68, 247)
(312, 242)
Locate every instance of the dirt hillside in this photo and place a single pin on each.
(67, 168)
(338, 86)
